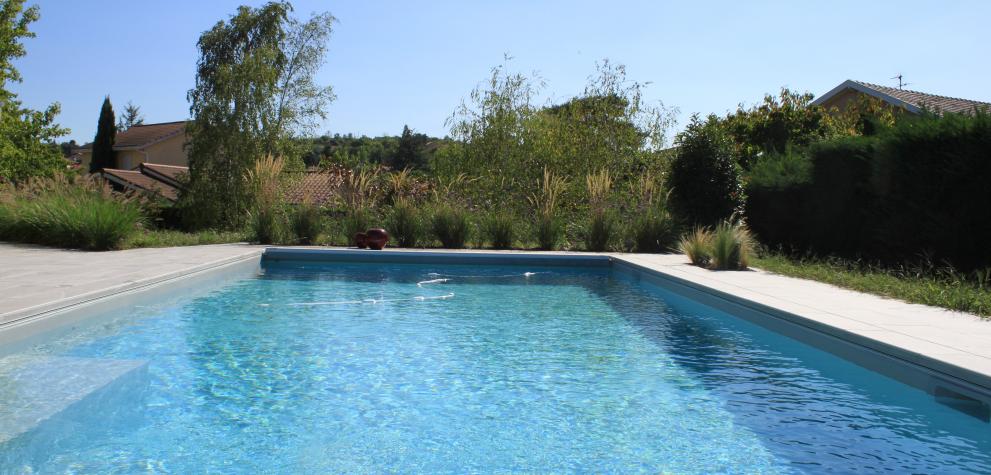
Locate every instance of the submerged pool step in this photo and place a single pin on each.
(35, 389)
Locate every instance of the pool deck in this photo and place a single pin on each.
(35, 280)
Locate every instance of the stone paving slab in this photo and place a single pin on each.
(36, 279)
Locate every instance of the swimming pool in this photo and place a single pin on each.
(375, 367)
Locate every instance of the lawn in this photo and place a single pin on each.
(949, 290)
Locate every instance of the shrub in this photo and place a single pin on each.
(705, 179)
(549, 231)
(307, 222)
(405, 224)
(450, 226)
(731, 246)
(267, 212)
(499, 228)
(697, 246)
(356, 221)
(82, 213)
(653, 231)
(548, 228)
(599, 235)
(268, 225)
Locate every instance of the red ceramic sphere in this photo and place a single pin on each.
(377, 238)
(361, 240)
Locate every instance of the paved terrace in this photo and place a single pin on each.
(35, 280)
(38, 279)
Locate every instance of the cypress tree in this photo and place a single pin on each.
(103, 143)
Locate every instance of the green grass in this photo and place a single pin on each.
(169, 238)
(944, 289)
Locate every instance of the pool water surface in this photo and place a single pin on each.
(362, 368)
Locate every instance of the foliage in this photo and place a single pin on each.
(450, 225)
(172, 238)
(360, 190)
(654, 230)
(72, 212)
(780, 171)
(840, 201)
(306, 222)
(254, 93)
(931, 181)
(776, 124)
(944, 287)
(506, 139)
(601, 224)
(27, 137)
(267, 214)
(915, 188)
(130, 117)
(103, 144)
(731, 246)
(549, 231)
(411, 150)
(500, 229)
(356, 220)
(697, 245)
(358, 152)
(600, 232)
(548, 228)
(406, 223)
(704, 180)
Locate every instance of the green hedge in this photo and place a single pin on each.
(921, 190)
(933, 179)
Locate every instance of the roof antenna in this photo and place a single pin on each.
(901, 83)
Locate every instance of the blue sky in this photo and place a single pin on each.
(393, 63)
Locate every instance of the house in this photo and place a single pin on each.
(911, 101)
(162, 143)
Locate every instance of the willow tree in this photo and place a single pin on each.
(254, 95)
(507, 140)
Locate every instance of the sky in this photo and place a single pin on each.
(393, 63)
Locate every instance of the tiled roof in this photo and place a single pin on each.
(140, 136)
(135, 180)
(913, 101)
(928, 101)
(321, 187)
(168, 173)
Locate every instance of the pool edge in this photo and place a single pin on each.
(922, 371)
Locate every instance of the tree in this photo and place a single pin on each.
(254, 96)
(705, 179)
(67, 147)
(778, 122)
(27, 137)
(131, 117)
(411, 152)
(103, 143)
(506, 140)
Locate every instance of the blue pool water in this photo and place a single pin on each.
(324, 368)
